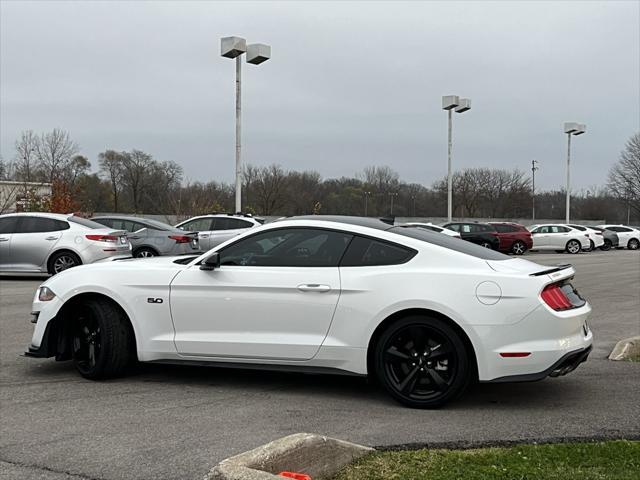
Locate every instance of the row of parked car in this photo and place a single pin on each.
(50, 243)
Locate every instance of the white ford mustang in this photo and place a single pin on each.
(424, 313)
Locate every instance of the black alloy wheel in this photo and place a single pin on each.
(87, 341)
(63, 260)
(518, 248)
(145, 252)
(486, 244)
(606, 246)
(422, 362)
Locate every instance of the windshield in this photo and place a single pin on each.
(446, 241)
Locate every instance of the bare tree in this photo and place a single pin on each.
(624, 176)
(77, 167)
(136, 169)
(271, 188)
(112, 166)
(27, 158)
(55, 151)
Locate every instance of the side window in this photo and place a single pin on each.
(135, 226)
(543, 230)
(624, 229)
(467, 228)
(107, 222)
(455, 227)
(364, 252)
(198, 225)
(8, 224)
(28, 224)
(288, 247)
(220, 223)
(235, 223)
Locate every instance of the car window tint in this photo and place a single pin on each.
(234, 223)
(624, 229)
(364, 252)
(85, 222)
(8, 224)
(454, 226)
(466, 229)
(197, 225)
(105, 222)
(288, 247)
(220, 224)
(28, 224)
(135, 226)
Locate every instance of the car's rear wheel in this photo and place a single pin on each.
(61, 261)
(486, 245)
(100, 339)
(518, 248)
(606, 246)
(592, 246)
(573, 247)
(145, 252)
(633, 244)
(422, 362)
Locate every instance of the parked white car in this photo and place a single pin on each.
(434, 228)
(34, 243)
(425, 313)
(217, 228)
(560, 238)
(596, 238)
(628, 236)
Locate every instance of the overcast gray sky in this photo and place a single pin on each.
(349, 84)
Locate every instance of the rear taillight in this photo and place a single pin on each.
(180, 238)
(553, 296)
(102, 238)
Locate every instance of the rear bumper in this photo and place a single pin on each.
(567, 364)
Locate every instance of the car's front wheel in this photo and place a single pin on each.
(100, 339)
(633, 244)
(486, 245)
(573, 247)
(518, 248)
(145, 252)
(422, 362)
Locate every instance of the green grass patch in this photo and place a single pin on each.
(615, 460)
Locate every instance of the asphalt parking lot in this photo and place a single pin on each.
(168, 422)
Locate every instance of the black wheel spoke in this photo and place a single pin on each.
(409, 382)
(395, 355)
(440, 351)
(439, 382)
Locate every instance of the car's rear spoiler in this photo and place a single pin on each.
(551, 270)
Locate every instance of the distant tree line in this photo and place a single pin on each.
(134, 182)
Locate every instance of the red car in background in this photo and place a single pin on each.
(514, 238)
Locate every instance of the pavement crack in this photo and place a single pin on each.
(50, 470)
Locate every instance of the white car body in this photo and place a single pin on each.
(629, 237)
(326, 317)
(556, 237)
(217, 228)
(594, 235)
(31, 252)
(435, 228)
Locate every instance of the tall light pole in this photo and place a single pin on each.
(257, 53)
(571, 128)
(533, 188)
(366, 202)
(461, 105)
(392, 195)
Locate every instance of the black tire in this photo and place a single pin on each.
(518, 248)
(559, 251)
(486, 244)
(101, 339)
(592, 246)
(573, 247)
(145, 252)
(633, 244)
(606, 246)
(61, 261)
(411, 372)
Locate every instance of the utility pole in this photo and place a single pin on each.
(366, 202)
(391, 194)
(533, 188)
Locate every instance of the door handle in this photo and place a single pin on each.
(51, 238)
(204, 235)
(314, 287)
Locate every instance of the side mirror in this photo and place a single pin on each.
(211, 262)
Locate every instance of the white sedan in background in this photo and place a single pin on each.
(596, 237)
(423, 312)
(434, 228)
(560, 238)
(629, 237)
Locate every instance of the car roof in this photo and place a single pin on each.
(350, 220)
(57, 216)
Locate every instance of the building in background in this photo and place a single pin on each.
(23, 196)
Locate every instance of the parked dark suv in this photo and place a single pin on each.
(514, 238)
(482, 234)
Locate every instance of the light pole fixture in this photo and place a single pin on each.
(460, 105)
(366, 202)
(257, 53)
(533, 188)
(571, 128)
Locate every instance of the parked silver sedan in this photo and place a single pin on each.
(35, 243)
(216, 228)
(150, 238)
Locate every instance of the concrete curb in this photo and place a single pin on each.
(317, 456)
(625, 349)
